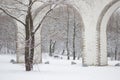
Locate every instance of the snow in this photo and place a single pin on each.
(57, 70)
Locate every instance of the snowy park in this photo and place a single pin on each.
(59, 39)
(57, 69)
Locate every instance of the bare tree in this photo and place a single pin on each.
(74, 36)
(28, 23)
(67, 39)
(52, 47)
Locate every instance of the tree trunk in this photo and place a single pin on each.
(27, 46)
(32, 51)
(53, 47)
(116, 53)
(117, 39)
(63, 52)
(50, 48)
(74, 56)
(74, 34)
(29, 51)
(32, 40)
(67, 41)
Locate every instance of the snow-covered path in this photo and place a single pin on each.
(56, 70)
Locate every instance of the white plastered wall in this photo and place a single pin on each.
(90, 11)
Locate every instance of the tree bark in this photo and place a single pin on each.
(116, 48)
(50, 48)
(27, 45)
(67, 40)
(32, 40)
(74, 34)
(29, 49)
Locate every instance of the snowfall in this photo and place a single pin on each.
(57, 69)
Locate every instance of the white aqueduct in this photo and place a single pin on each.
(94, 17)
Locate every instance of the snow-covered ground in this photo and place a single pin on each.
(56, 70)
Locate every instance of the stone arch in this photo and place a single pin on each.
(101, 29)
(45, 8)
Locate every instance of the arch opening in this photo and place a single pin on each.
(113, 34)
(102, 30)
(8, 35)
(38, 17)
(55, 30)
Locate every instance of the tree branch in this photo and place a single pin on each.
(21, 3)
(43, 19)
(12, 16)
(11, 8)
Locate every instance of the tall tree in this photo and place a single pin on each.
(74, 36)
(28, 23)
(67, 40)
